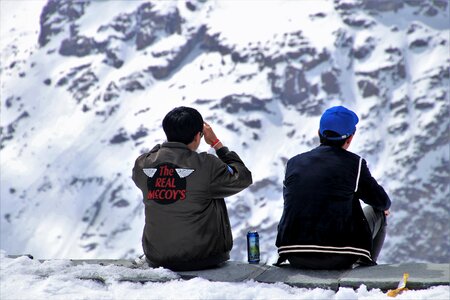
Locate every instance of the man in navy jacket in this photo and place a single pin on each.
(323, 225)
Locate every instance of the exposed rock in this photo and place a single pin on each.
(149, 22)
(121, 203)
(71, 74)
(399, 107)
(316, 60)
(318, 15)
(418, 43)
(295, 87)
(120, 137)
(140, 133)
(237, 103)
(190, 6)
(358, 23)
(330, 83)
(232, 127)
(9, 101)
(7, 133)
(78, 46)
(133, 82)
(80, 87)
(160, 72)
(440, 77)
(413, 2)
(111, 93)
(212, 43)
(393, 50)
(124, 25)
(362, 52)
(382, 5)
(56, 15)
(203, 101)
(413, 27)
(423, 103)
(346, 5)
(252, 123)
(367, 88)
(399, 128)
(343, 38)
(431, 11)
(112, 59)
(262, 184)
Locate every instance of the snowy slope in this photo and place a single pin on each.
(85, 85)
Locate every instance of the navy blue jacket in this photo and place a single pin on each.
(322, 212)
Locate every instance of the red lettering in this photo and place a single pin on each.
(165, 182)
(158, 182)
(171, 182)
(165, 171)
(151, 195)
(168, 195)
(165, 194)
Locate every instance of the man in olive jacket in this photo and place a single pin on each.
(186, 221)
(323, 225)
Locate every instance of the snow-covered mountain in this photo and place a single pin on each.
(85, 85)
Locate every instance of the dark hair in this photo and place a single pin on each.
(181, 124)
(333, 143)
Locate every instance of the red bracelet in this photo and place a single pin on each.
(217, 141)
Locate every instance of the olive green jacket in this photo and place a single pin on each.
(186, 219)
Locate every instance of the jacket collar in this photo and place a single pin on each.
(175, 145)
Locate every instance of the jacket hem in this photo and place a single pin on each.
(202, 264)
(284, 250)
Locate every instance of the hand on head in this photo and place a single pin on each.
(210, 137)
(208, 133)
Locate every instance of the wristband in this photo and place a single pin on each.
(217, 141)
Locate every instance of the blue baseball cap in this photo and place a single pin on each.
(340, 120)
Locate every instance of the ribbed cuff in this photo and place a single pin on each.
(222, 151)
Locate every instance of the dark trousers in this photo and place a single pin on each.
(377, 224)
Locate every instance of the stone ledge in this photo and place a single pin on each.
(421, 276)
(384, 277)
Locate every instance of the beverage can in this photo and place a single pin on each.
(253, 247)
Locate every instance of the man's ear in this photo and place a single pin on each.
(197, 138)
(349, 140)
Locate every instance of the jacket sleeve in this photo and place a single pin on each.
(229, 175)
(370, 191)
(138, 175)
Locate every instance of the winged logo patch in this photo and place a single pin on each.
(166, 183)
(150, 171)
(184, 172)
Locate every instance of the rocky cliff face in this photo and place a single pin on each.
(80, 107)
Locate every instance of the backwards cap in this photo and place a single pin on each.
(340, 120)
